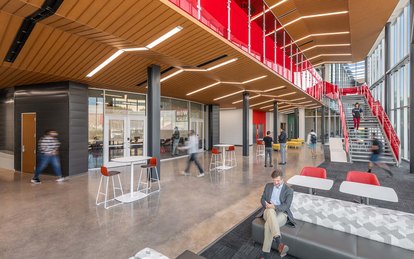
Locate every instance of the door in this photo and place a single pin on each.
(124, 136)
(28, 155)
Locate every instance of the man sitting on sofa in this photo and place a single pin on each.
(276, 200)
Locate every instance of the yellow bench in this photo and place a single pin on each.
(276, 146)
(294, 144)
(300, 140)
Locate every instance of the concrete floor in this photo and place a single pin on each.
(61, 220)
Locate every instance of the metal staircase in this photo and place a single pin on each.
(360, 141)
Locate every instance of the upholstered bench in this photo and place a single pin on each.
(294, 144)
(276, 146)
(310, 241)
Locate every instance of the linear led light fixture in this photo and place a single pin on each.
(287, 94)
(256, 104)
(204, 88)
(297, 99)
(250, 98)
(322, 45)
(305, 102)
(274, 89)
(171, 75)
(164, 37)
(106, 62)
(315, 35)
(267, 10)
(222, 64)
(228, 95)
(230, 108)
(307, 17)
(331, 55)
(268, 106)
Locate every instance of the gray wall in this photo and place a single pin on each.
(213, 125)
(7, 120)
(61, 106)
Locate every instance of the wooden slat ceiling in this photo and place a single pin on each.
(84, 33)
(365, 20)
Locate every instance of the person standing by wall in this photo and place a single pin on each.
(268, 141)
(311, 141)
(282, 141)
(48, 153)
(356, 114)
(192, 148)
(175, 140)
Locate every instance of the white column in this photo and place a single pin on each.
(302, 133)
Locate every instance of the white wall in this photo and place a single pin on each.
(231, 131)
(269, 121)
(302, 132)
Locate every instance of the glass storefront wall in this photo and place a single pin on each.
(117, 124)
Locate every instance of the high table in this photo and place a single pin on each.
(369, 191)
(223, 148)
(132, 196)
(311, 182)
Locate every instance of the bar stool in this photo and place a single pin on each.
(260, 150)
(232, 155)
(151, 165)
(215, 159)
(109, 175)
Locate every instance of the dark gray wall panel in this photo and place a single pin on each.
(78, 128)
(7, 119)
(213, 125)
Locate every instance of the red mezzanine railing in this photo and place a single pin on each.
(273, 49)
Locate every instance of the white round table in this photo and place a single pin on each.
(224, 146)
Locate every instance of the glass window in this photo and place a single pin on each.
(124, 103)
(95, 128)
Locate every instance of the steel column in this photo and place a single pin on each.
(245, 124)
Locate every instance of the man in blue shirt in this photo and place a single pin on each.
(276, 200)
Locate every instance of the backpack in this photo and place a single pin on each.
(313, 138)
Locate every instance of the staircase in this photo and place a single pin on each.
(360, 141)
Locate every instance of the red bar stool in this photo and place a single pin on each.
(215, 159)
(316, 172)
(260, 149)
(362, 177)
(148, 167)
(108, 175)
(231, 151)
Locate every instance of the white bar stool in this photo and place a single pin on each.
(215, 159)
(108, 175)
(151, 165)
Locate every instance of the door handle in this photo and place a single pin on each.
(22, 148)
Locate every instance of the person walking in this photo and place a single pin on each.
(377, 149)
(282, 140)
(192, 148)
(268, 141)
(48, 154)
(311, 141)
(175, 140)
(357, 114)
(276, 200)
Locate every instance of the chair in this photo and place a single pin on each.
(231, 151)
(215, 159)
(316, 172)
(108, 175)
(260, 149)
(362, 177)
(152, 164)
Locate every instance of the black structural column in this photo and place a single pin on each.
(154, 113)
(323, 124)
(245, 124)
(296, 132)
(275, 122)
(412, 88)
(213, 125)
(387, 67)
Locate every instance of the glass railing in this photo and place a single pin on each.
(252, 27)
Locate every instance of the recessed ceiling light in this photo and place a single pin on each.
(305, 102)
(204, 88)
(164, 37)
(106, 62)
(256, 104)
(171, 75)
(250, 98)
(330, 55)
(222, 64)
(267, 10)
(135, 49)
(286, 94)
(274, 89)
(297, 99)
(228, 95)
(254, 79)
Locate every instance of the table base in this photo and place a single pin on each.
(126, 198)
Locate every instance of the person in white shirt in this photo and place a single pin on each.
(192, 147)
(311, 141)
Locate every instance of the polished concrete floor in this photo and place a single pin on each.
(61, 220)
